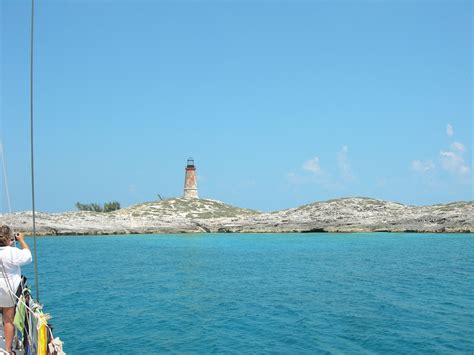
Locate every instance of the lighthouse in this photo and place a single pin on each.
(190, 180)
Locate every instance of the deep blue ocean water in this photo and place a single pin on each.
(280, 293)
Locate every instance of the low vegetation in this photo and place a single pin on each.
(95, 207)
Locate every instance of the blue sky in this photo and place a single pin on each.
(280, 103)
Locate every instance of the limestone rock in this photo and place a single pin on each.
(180, 215)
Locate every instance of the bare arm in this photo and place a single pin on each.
(20, 237)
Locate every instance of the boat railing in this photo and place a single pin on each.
(33, 333)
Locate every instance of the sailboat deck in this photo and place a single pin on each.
(2, 341)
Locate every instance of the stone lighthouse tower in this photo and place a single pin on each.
(190, 180)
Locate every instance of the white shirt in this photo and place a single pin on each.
(11, 258)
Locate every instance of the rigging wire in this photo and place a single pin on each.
(5, 177)
(7, 190)
(32, 148)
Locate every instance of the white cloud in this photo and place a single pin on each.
(343, 163)
(314, 174)
(449, 130)
(295, 179)
(317, 175)
(312, 165)
(422, 166)
(456, 146)
(453, 161)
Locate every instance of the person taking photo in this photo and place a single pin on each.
(11, 259)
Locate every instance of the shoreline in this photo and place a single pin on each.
(105, 234)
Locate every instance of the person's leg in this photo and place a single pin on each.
(8, 327)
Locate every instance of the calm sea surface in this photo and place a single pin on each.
(281, 293)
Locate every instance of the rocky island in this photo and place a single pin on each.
(194, 215)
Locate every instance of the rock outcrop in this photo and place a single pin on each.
(179, 215)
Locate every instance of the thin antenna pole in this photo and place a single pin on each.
(32, 149)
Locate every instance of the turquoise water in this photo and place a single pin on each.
(283, 293)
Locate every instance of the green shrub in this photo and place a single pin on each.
(95, 207)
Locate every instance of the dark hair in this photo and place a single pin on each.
(5, 235)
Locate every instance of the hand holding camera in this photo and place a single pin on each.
(19, 236)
